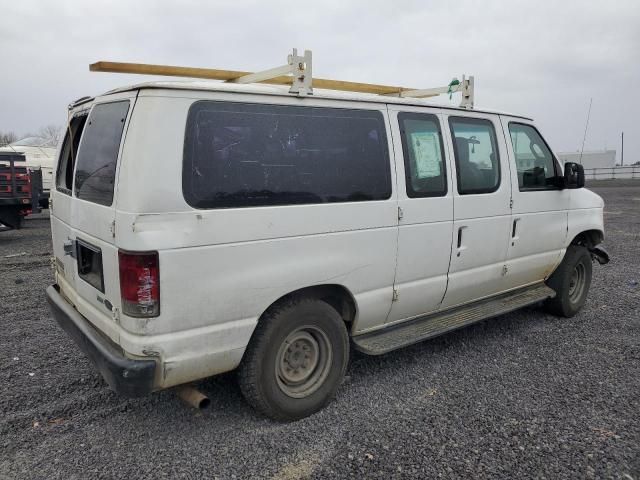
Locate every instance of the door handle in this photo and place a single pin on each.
(460, 247)
(514, 231)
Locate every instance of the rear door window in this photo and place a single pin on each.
(241, 155)
(69, 154)
(98, 153)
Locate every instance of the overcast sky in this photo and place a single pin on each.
(538, 58)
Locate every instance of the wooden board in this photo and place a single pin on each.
(225, 75)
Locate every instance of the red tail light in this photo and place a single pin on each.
(26, 188)
(140, 283)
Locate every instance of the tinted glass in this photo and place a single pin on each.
(69, 154)
(239, 155)
(534, 160)
(98, 154)
(476, 152)
(423, 155)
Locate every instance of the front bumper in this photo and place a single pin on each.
(130, 378)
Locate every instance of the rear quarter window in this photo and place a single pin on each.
(98, 152)
(242, 155)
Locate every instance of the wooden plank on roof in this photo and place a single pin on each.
(226, 75)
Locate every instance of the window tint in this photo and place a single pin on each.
(423, 155)
(534, 160)
(98, 154)
(476, 152)
(69, 154)
(239, 155)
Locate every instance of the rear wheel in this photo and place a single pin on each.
(296, 359)
(571, 282)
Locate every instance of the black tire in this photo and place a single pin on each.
(271, 371)
(571, 282)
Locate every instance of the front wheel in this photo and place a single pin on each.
(296, 359)
(571, 282)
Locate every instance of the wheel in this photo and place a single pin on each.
(296, 360)
(571, 282)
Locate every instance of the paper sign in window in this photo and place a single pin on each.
(426, 152)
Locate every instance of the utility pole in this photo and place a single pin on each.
(622, 151)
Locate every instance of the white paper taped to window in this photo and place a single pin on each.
(426, 153)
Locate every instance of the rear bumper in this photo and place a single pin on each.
(130, 378)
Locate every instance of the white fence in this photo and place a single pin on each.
(610, 173)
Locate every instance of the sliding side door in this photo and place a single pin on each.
(425, 211)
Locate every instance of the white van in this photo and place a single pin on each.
(201, 227)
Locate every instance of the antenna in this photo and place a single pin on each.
(585, 130)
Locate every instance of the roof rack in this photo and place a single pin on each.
(297, 72)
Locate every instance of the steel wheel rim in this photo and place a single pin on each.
(576, 283)
(303, 362)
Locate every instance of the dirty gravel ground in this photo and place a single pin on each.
(525, 395)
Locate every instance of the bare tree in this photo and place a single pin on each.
(7, 137)
(51, 132)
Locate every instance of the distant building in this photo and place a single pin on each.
(590, 159)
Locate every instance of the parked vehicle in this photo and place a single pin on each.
(200, 228)
(20, 190)
(39, 154)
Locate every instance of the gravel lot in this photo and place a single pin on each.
(523, 395)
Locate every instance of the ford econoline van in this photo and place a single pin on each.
(200, 228)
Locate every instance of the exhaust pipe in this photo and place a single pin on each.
(193, 397)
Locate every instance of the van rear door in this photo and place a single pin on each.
(84, 209)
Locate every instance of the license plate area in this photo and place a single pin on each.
(90, 264)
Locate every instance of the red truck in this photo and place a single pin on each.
(20, 190)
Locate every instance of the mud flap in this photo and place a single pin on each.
(600, 254)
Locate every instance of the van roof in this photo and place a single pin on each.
(283, 91)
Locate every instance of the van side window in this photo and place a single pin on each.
(69, 154)
(241, 155)
(424, 164)
(476, 152)
(534, 160)
(98, 154)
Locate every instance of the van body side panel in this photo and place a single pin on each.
(150, 178)
(238, 281)
(220, 269)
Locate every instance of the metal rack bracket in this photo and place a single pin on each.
(299, 67)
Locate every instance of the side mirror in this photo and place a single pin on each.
(573, 175)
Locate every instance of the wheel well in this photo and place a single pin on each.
(588, 238)
(335, 295)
